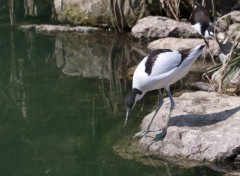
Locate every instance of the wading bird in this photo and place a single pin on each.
(159, 69)
(202, 22)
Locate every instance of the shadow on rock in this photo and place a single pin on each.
(199, 120)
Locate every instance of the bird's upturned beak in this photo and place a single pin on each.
(126, 118)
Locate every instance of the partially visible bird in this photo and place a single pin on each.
(159, 69)
(202, 22)
(236, 7)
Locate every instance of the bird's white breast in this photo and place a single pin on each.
(197, 27)
(206, 34)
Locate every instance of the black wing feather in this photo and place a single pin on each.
(152, 58)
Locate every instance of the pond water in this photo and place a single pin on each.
(61, 106)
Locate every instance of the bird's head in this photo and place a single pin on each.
(131, 99)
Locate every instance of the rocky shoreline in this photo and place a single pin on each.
(48, 28)
(204, 126)
(204, 131)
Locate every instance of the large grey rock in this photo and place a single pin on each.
(96, 12)
(233, 30)
(221, 25)
(235, 16)
(82, 12)
(60, 28)
(153, 27)
(188, 43)
(203, 127)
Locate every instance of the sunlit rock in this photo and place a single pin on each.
(98, 12)
(233, 30)
(203, 127)
(235, 16)
(60, 28)
(153, 27)
(188, 43)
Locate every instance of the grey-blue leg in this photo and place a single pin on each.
(163, 131)
(160, 103)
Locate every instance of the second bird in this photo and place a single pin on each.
(202, 22)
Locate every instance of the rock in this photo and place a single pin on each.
(204, 127)
(221, 36)
(83, 12)
(153, 27)
(182, 43)
(235, 16)
(97, 12)
(60, 28)
(222, 25)
(233, 30)
(202, 86)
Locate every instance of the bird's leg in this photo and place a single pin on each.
(220, 46)
(207, 43)
(163, 131)
(212, 57)
(160, 103)
(208, 50)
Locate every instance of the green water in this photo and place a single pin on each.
(61, 106)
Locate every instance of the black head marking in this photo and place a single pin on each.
(129, 99)
(202, 16)
(152, 58)
(184, 54)
(236, 7)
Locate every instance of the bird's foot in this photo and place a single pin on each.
(141, 133)
(160, 134)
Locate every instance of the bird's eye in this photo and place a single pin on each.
(211, 33)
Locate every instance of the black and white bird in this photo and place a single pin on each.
(159, 69)
(202, 22)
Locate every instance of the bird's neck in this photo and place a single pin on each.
(190, 59)
(139, 96)
(138, 93)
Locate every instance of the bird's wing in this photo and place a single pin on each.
(200, 15)
(157, 82)
(165, 62)
(157, 63)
